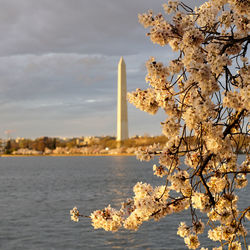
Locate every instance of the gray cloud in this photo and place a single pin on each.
(86, 26)
(58, 65)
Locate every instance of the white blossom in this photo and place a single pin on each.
(205, 94)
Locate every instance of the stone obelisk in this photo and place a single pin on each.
(122, 113)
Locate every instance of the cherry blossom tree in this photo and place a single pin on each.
(205, 94)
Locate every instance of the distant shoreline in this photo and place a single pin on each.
(67, 155)
(74, 155)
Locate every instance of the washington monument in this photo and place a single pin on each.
(122, 113)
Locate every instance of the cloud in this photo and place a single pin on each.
(58, 88)
(58, 64)
(89, 26)
(107, 27)
(50, 76)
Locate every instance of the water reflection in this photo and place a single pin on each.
(124, 173)
(37, 193)
(119, 180)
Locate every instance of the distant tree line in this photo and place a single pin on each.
(38, 144)
(109, 142)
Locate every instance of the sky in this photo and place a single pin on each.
(58, 66)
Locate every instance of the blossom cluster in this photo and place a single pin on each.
(205, 93)
(74, 214)
(146, 201)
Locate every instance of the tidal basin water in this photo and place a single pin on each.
(36, 194)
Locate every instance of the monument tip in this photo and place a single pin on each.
(121, 60)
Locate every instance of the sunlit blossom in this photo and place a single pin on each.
(205, 94)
